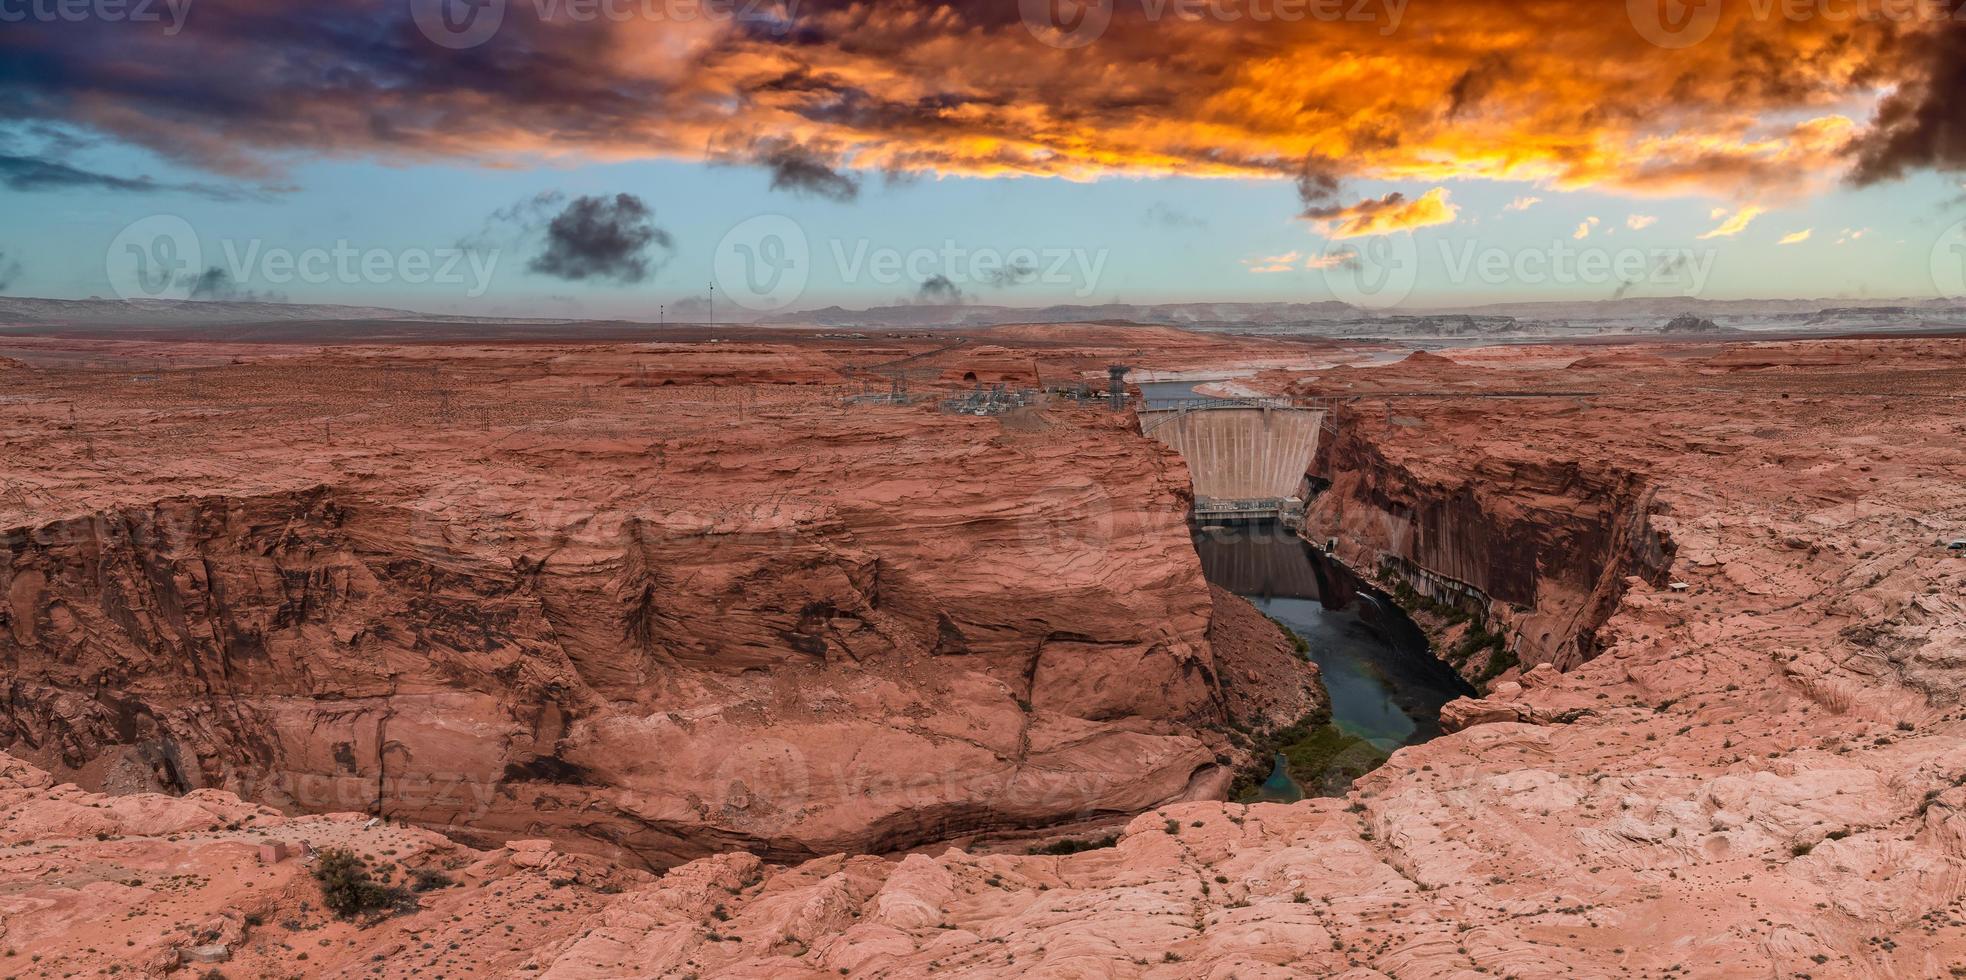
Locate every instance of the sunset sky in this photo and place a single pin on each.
(606, 157)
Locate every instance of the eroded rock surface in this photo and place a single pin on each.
(1758, 774)
(516, 593)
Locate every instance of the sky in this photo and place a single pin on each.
(751, 158)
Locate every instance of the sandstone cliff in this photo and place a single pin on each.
(654, 625)
(1512, 554)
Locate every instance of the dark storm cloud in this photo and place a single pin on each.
(1923, 124)
(610, 238)
(1166, 215)
(964, 88)
(1014, 273)
(215, 284)
(1317, 184)
(938, 290)
(521, 220)
(1474, 84)
(1665, 268)
(29, 173)
(800, 170)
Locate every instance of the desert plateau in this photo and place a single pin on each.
(673, 658)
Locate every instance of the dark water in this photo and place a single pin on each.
(1386, 687)
(1157, 393)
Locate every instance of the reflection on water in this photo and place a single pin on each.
(1386, 687)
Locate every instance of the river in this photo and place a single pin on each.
(1386, 687)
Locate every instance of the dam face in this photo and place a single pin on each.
(1239, 453)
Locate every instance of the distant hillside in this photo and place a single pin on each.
(163, 312)
(1164, 314)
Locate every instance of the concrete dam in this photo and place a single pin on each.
(1247, 457)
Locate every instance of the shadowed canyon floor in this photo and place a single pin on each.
(1721, 736)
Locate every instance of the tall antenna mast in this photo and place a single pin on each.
(713, 304)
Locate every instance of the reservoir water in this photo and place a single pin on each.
(1157, 394)
(1386, 687)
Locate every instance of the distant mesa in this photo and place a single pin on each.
(1688, 323)
(1429, 358)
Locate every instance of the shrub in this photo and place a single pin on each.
(1074, 846)
(347, 889)
(429, 879)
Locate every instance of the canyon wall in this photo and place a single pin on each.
(1757, 776)
(1492, 540)
(811, 632)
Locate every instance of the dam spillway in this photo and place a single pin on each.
(1247, 457)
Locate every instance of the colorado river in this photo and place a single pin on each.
(1386, 687)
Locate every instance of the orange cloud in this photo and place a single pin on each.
(1554, 92)
(1391, 213)
(1797, 238)
(1274, 263)
(1735, 223)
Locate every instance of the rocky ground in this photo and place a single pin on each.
(611, 595)
(1746, 757)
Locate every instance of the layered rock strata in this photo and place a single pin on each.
(653, 624)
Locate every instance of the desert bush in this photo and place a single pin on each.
(349, 891)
